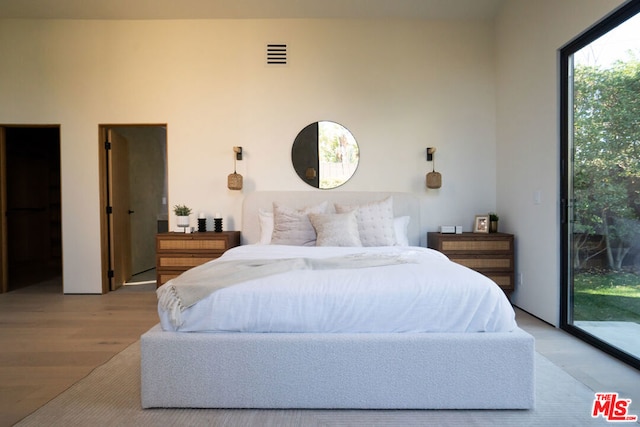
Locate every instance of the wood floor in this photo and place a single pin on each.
(49, 341)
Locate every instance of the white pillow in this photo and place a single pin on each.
(266, 226)
(401, 228)
(336, 229)
(375, 222)
(292, 226)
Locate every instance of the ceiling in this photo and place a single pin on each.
(250, 9)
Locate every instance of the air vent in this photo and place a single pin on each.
(277, 54)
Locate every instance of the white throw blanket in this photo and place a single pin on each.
(196, 284)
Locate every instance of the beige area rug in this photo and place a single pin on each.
(110, 396)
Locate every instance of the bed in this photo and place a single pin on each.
(443, 359)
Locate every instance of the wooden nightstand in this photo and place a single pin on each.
(178, 252)
(490, 254)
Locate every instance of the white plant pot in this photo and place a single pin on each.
(183, 221)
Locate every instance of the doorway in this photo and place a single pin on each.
(134, 201)
(31, 203)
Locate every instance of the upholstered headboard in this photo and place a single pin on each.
(403, 204)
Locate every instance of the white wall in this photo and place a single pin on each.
(529, 35)
(399, 86)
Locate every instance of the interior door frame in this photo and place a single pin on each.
(4, 255)
(105, 228)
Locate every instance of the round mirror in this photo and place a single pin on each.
(325, 155)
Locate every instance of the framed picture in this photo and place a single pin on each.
(481, 224)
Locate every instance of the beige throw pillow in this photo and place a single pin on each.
(292, 226)
(375, 222)
(336, 229)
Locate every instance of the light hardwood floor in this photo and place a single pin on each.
(49, 341)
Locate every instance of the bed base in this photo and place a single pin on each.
(331, 371)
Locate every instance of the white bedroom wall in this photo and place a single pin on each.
(529, 35)
(399, 86)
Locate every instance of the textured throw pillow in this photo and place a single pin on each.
(266, 226)
(292, 226)
(336, 229)
(401, 227)
(375, 222)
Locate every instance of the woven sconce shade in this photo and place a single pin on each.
(310, 173)
(434, 180)
(234, 181)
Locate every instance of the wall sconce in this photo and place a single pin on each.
(234, 180)
(434, 179)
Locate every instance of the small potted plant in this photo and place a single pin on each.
(182, 213)
(493, 222)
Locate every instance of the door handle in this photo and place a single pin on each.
(130, 211)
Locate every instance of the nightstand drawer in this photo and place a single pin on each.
(165, 276)
(476, 245)
(192, 245)
(504, 280)
(483, 262)
(182, 261)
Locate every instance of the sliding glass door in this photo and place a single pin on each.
(601, 185)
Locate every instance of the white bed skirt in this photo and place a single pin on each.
(351, 371)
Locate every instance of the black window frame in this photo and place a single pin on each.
(611, 21)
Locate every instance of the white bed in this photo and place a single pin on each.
(448, 357)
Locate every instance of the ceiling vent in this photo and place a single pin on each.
(277, 54)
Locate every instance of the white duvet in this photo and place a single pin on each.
(428, 294)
